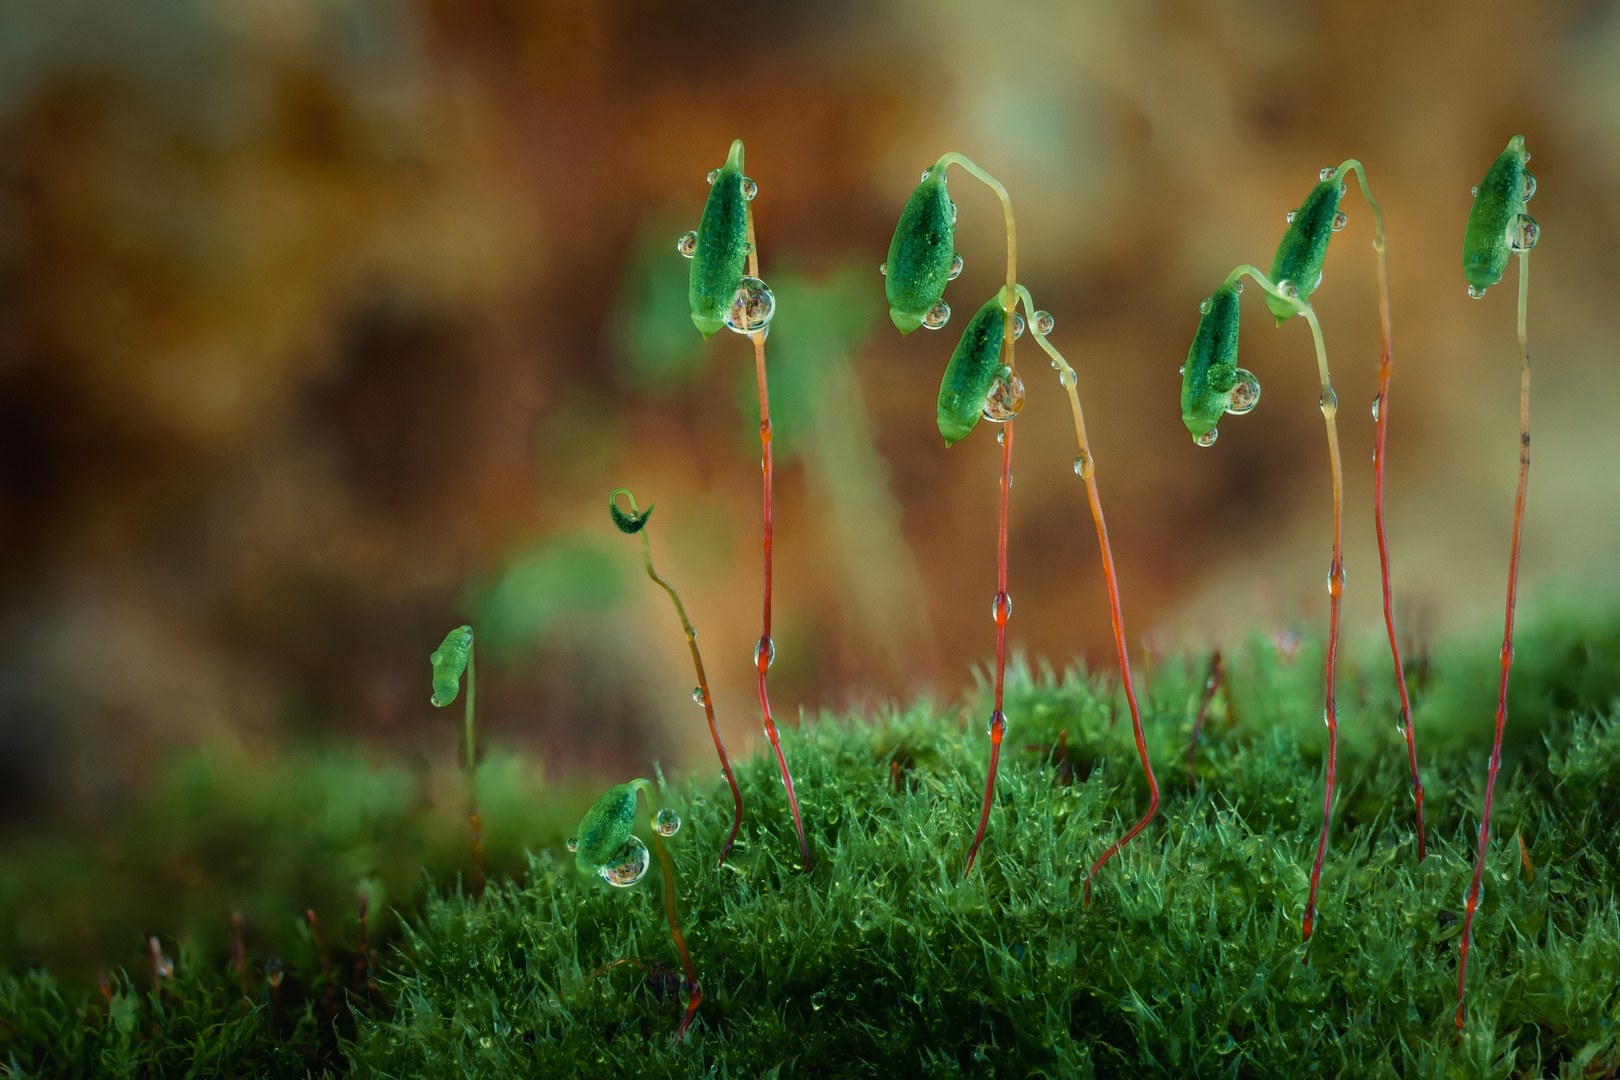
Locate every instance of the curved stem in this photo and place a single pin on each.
(473, 818)
(1088, 472)
(1012, 245)
(1217, 671)
(1381, 419)
(1507, 631)
(765, 651)
(1001, 611)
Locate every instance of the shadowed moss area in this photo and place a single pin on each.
(883, 961)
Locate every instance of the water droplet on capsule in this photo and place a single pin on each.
(1244, 395)
(956, 268)
(1523, 233)
(767, 648)
(687, 244)
(752, 307)
(1529, 186)
(1238, 287)
(937, 316)
(1204, 305)
(1286, 288)
(883, 268)
(1474, 191)
(1018, 326)
(273, 972)
(1208, 438)
(749, 188)
(1326, 174)
(748, 247)
(924, 176)
(699, 696)
(1289, 217)
(1005, 399)
(953, 213)
(1317, 284)
(1340, 221)
(1377, 405)
(667, 822)
(1342, 188)
(573, 843)
(1476, 291)
(627, 866)
(1182, 370)
(714, 174)
(1044, 323)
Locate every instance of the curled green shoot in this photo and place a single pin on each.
(635, 521)
(1085, 465)
(453, 657)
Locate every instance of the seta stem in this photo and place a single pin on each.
(472, 778)
(1507, 632)
(695, 993)
(1088, 472)
(1381, 420)
(765, 651)
(1001, 608)
(1217, 671)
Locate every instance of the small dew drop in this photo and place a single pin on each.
(1238, 287)
(818, 999)
(573, 843)
(956, 268)
(766, 648)
(687, 244)
(953, 213)
(667, 822)
(699, 696)
(1329, 401)
(1244, 395)
(627, 866)
(1342, 188)
(1208, 438)
(1287, 288)
(1523, 233)
(1529, 187)
(883, 268)
(1001, 437)
(714, 174)
(1377, 405)
(1066, 377)
(1204, 305)
(749, 188)
(748, 247)
(1476, 291)
(1001, 608)
(1289, 217)
(752, 307)
(1340, 221)
(1182, 370)
(1005, 399)
(1083, 465)
(1018, 326)
(937, 316)
(1326, 174)
(1044, 323)
(1474, 191)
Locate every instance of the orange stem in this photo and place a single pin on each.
(1001, 610)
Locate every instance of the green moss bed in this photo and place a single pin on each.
(883, 960)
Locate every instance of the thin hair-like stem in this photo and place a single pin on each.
(694, 991)
(1507, 631)
(1381, 421)
(765, 651)
(1217, 671)
(473, 818)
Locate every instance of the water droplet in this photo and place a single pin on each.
(1342, 188)
(667, 822)
(1527, 157)
(1066, 377)
(749, 188)
(1523, 233)
(956, 268)
(818, 999)
(883, 268)
(997, 725)
(924, 176)
(1377, 405)
(1005, 399)
(1338, 572)
(1529, 187)
(1182, 370)
(1400, 729)
(687, 244)
(1244, 395)
(1326, 174)
(627, 866)
(1340, 221)
(1286, 288)
(752, 307)
(767, 648)
(1329, 401)
(1018, 326)
(1317, 284)
(1204, 305)
(1289, 217)
(1476, 291)
(1474, 191)
(953, 213)
(937, 316)
(1208, 438)
(748, 247)
(714, 174)
(1001, 437)
(699, 696)
(573, 843)
(1083, 465)
(1044, 323)
(1238, 287)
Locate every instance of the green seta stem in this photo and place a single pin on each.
(473, 818)
(694, 991)
(1507, 631)
(1381, 421)
(1088, 472)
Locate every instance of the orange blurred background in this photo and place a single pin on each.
(326, 325)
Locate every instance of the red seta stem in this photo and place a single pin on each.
(695, 993)
(1217, 671)
(1001, 610)
(1507, 633)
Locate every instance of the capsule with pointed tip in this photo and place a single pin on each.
(1304, 246)
(722, 246)
(449, 660)
(972, 368)
(922, 252)
(1489, 242)
(1211, 369)
(605, 845)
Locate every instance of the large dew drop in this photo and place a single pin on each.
(956, 268)
(1000, 608)
(1005, 399)
(1523, 233)
(1208, 438)
(1476, 291)
(1244, 395)
(1377, 406)
(667, 822)
(1044, 323)
(627, 866)
(752, 307)
(937, 316)
(687, 244)
(1328, 402)
(1326, 174)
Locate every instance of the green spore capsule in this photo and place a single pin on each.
(627, 521)
(975, 365)
(922, 256)
(1304, 246)
(1211, 382)
(449, 660)
(720, 248)
(1497, 225)
(605, 845)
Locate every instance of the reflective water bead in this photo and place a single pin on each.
(1476, 291)
(573, 843)
(1523, 233)
(817, 1000)
(699, 696)
(1244, 395)
(749, 188)
(667, 822)
(687, 244)
(937, 316)
(1329, 401)
(1204, 305)
(953, 213)
(766, 648)
(1340, 221)
(956, 268)
(752, 307)
(883, 268)
(1529, 184)
(1326, 174)
(1289, 217)
(627, 866)
(923, 177)
(1001, 438)
(714, 174)
(1044, 323)
(1066, 377)
(1005, 399)
(1474, 191)
(1018, 326)
(1377, 405)
(1208, 438)
(1318, 283)
(1342, 188)
(1082, 464)
(1287, 288)
(748, 247)
(1001, 608)
(1238, 287)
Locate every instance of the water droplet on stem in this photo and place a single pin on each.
(766, 649)
(1523, 233)
(1005, 399)
(752, 307)
(699, 696)
(1044, 323)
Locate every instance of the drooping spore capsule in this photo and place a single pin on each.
(922, 252)
(449, 660)
(974, 366)
(605, 831)
(721, 252)
(1211, 371)
(1304, 245)
(1493, 223)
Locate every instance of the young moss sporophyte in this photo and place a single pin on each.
(453, 657)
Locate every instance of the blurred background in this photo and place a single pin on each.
(327, 325)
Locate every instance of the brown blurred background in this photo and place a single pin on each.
(327, 324)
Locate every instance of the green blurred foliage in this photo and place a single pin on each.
(656, 347)
(565, 574)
